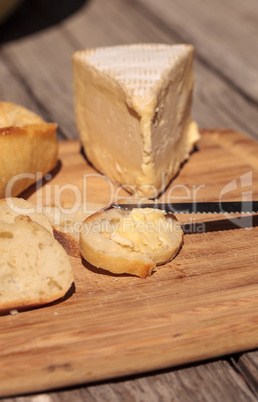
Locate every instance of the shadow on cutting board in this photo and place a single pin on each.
(35, 15)
(22, 309)
(244, 222)
(39, 184)
(102, 271)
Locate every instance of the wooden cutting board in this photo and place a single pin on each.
(201, 305)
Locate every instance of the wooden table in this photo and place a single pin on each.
(37, 43)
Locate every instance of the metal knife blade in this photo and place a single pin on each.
(243, 207)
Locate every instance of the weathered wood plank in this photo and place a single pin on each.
(224, 33)
(14, 86)
(214, 381)
(48, 76)
(248, 365)
(207, 382)
(14, 89)
(215, 104)
(43, 62)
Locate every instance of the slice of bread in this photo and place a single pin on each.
(13, 206)
(28, 147)
(131, 242)
(34, 268)
(64, 222)
(67, 221)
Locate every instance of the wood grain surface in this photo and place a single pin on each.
(217, 37)
(35, 69)
(202, 305)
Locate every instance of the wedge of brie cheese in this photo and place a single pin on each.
(133, 112)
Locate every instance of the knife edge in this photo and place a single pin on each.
(224, 207)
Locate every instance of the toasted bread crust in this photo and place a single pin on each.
(68, 233)
(118, 265)
(69, 242)
(27, 147)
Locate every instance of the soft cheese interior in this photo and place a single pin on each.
(133, 112)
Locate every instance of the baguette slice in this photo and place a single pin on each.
(67, 221)
(34, 267)
(28, 146)
(13, 206)
(131, 242)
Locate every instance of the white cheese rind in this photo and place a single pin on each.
(132, 106)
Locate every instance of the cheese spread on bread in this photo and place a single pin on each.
(133, 242)
(141, 230)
